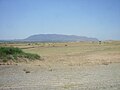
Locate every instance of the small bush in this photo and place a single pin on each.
(10, 50)
(11, 53)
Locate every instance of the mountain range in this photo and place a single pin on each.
(57, 38)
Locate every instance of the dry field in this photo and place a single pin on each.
(65, 66)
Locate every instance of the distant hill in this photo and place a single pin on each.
(58, 38)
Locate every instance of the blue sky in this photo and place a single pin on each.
(92, 18)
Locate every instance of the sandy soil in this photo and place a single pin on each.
(97, 77)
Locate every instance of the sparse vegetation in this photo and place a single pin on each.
(11, 53)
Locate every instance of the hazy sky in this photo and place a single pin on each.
(93, 18)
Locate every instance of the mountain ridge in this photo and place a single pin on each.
(58, 38)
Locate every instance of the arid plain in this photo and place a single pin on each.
(65, 66)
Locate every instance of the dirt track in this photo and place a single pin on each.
(98, 77)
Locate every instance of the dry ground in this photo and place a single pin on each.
(65, 66)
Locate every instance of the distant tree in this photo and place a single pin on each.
(66, 45)
(100, 42)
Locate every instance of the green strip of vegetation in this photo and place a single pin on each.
(12, 53)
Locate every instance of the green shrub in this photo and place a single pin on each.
(11, 53)
(10, 50)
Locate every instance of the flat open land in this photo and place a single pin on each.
(65, 66)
